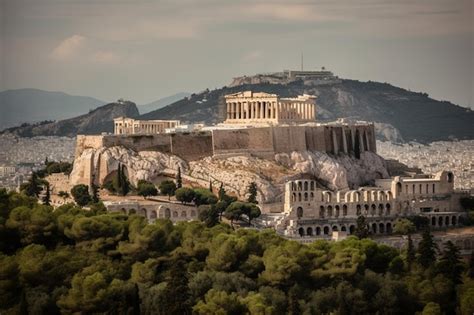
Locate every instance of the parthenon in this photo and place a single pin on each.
(249, 107)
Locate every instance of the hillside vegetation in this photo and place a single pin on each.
(72, 260)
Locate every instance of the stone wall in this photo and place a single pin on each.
(256, 141)
(192, 146)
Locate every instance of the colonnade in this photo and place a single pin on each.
(256, 110)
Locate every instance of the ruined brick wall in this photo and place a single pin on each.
(257, 141)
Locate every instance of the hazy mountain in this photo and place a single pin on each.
(162, 102)
(32, 105)
(96, 121)
(416, 116)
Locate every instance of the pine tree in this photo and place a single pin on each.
(46, 162)
(221, 193)
(47, 196)
(179, 180)
(426, 249)
(210, 185)
(176, 296)
(252, 191)
(361, 230)
(411, 254)
(95, 193)
(451, 264)
(118, 187)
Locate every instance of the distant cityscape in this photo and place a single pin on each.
(456, 156)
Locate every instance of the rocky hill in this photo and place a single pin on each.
(96, 121)
(33, 105)
(401, 114)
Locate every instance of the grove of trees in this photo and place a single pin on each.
(71, 260)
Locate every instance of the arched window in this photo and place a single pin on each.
(381, 228)
(373, 209)
(305, 185)
(301, 231)
(309, 231)
(389, 228)
(380, 209)
(321, 212)
(454, 220)
(337, 210)
(305, 196)
(299, 212)
(387, 206)
(344, 210)
(294, 197)
(450, 177)
(299, 197)
(318, 230)
(312, 196)
(329, 211)
(312, 185)
(358, 210)
(326, 230)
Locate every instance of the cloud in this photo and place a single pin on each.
(105, 57)
(69, 47)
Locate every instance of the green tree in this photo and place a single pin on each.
(220, 302)
(411, 253)
(210, 186)
(208, 214)
(204, 197)
(361, 231)
(63, 194)
(179, 180)
(427, 250)
(451, 264)
(34, 225)
(431, 309)
(221, 193)
(234, 211)
(47, 196)
(168, 187)
(81, 195)
(146, 189)
(252, 191)
(184, 194)
(404, 227)
(33, 187)
(176, 296)
(95, 193)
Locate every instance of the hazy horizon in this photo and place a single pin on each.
(147, 50)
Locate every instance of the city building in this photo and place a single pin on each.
(312, 211)
(255, 108)
(7, 170)
(130, 126)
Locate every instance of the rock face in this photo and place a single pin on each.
(235, 172)
(96, 121)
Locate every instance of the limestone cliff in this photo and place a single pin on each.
(236, 173)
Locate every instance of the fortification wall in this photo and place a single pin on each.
(289, 138)
(257, 141)
(85, 142)
(156, 142)
(193, 146)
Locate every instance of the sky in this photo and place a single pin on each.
(145, 50)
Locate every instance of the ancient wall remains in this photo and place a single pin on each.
(257, 141)
(192, 146)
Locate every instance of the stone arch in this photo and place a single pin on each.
(351, 229)
(299, 212)
(329, 211)
(381, 228)
(142, 212)
(321, 212)
(398, 188)
(299, 197)
(294, 197)
(132, 211)
(301, 231)
(183, 214)
(306, 185)
(312, 196)
(388, 208)
(193, 213)
(366, 209)
(389, 228)
(335, 228)
(358, 210)
(450, 177)
(373, 209)
(454, 220)
(344, 210)
(327, 196)
(326, 230)
(381, 209)
(446, 221)
(300, 185)
(336, 211)
(312, 185)
(175, 214)
(123, 211)
(309, 231)
(305, 196)
(440, 221)
(152, 215)
(318, 230)
(374, 228)
(343, 228)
